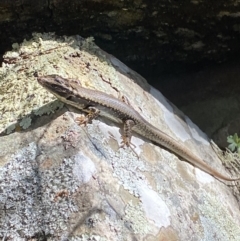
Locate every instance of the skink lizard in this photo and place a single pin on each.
(95, 102)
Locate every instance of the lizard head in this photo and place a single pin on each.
(57, 85)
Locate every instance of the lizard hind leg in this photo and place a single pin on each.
(127, 135)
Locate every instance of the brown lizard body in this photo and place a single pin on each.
(96, 102)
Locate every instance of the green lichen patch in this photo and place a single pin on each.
(20, 94)
(136, 216)
(217, 224)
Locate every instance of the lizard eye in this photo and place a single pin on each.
(58, 80)
(68, 97)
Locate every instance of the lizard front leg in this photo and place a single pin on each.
(127, 135)
(93, 113)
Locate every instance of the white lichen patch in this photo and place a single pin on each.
(136, 216)
(124, 170)
(28, 196)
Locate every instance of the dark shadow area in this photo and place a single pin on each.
(36, 120)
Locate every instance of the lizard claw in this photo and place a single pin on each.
(127, 142)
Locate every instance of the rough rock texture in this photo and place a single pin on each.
(59, 180)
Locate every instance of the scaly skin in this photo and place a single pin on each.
(72, 93)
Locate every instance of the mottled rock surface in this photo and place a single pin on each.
(59, 180)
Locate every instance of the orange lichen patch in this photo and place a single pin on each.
(47, 164)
